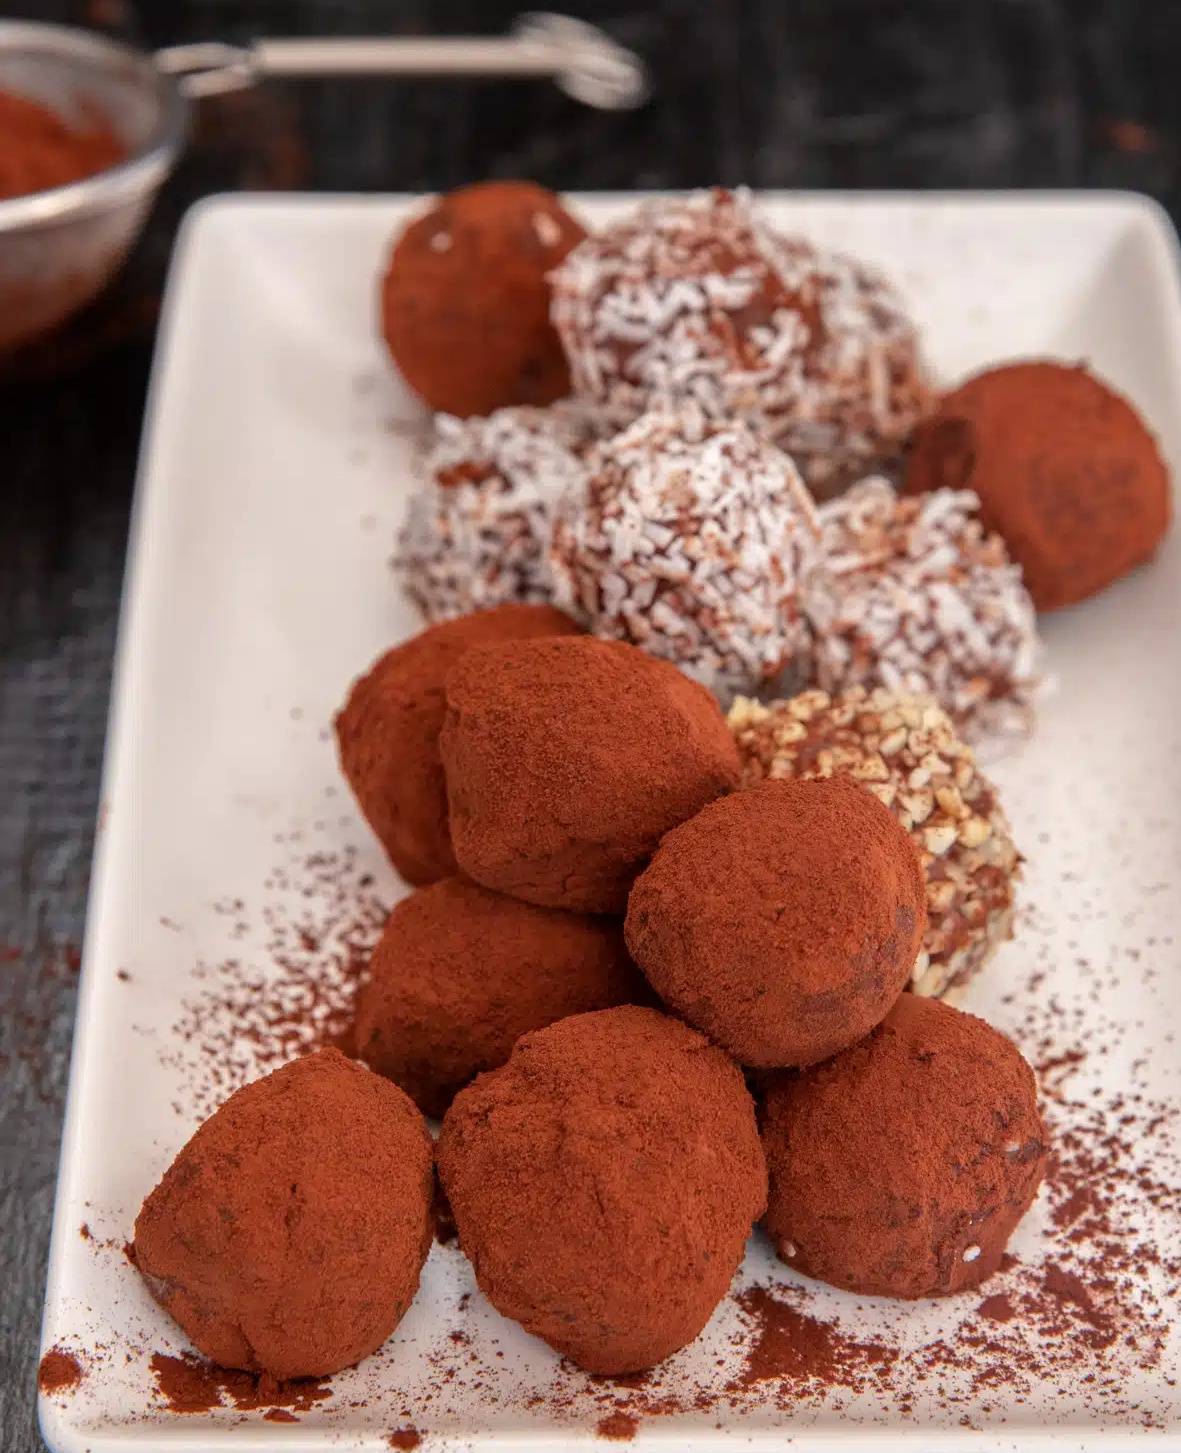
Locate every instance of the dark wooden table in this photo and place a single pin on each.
(794, 93)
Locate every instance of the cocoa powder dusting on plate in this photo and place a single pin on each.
(619, 1427)
(290, 988)
(404, 1439)
(189, 1384)
(58, 1371)
(787, 1345)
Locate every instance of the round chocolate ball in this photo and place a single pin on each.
(784, 921)
(604, 1183)
(698, 298)
(460, 973)
(1066, 470)
(916, 596)
(905, 750)
(901, 1167)
(477, 531)
(387, 733)
(691, 539)
(288, 1235)
(465, 301)
(568, 759)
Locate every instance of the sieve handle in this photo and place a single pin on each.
(585, 62)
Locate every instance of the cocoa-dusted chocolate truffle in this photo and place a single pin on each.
(697, 298)
(916, 597)
(460, 973)
(906, 751)
(387, 733)
(784, 921)
(568, 759)
(465, 302)
(901, 1167)
(691, 539)
(288, 1234)
(604, 1183)
(477, 531)
(1065, 469)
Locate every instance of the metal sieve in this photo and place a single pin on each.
(59, 247)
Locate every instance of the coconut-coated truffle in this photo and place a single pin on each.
(784, 921)
(568, 759)
(604, 1183)
(288, 1235)
(465, 301)
(697, 298)
(1066, 470)
(691, 539)
(905, 750)
(901, 1167)
(915, 595)
(477, 531)
(387, 733)
(460, 973)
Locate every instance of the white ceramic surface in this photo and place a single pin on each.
(270, 484)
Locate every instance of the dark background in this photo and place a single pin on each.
(787, 93)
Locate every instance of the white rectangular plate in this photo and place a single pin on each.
(274, 471)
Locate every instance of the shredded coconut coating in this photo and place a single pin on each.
(697, 298)
(691, 540)
(477, 531)
(906, 751)
(916, 597)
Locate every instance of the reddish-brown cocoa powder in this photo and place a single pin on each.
(460, 973)
(42, 149)
(188, 1384)
(305, 944)
(387, 733)
(404, 1439)
(59, 1371)
(618, 1427)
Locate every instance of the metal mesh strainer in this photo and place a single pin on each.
(60, 246)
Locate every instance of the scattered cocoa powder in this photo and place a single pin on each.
(404, 1439)
(997, 1308)
(292, 988)
(189, 1384)
(619, 1427)
(789, 1345)
(59, 1371)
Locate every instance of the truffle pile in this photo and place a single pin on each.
(716, 364)
(591, 857)
(629, 910)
